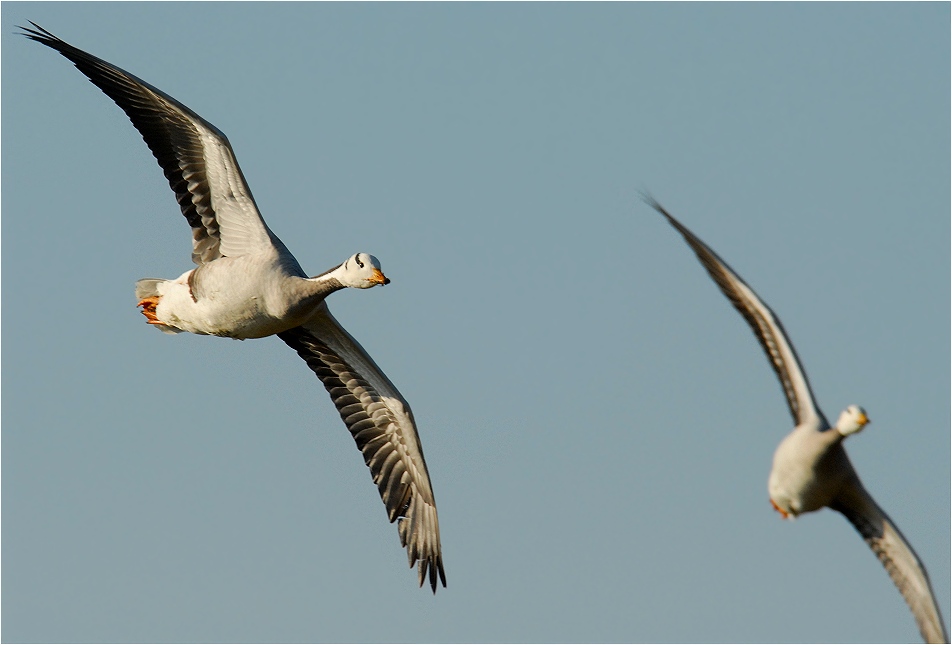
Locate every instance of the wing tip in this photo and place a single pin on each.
(649, 199)
(43, 36)
(431, 567)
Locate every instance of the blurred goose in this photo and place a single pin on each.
(248, 285)
(810, 466)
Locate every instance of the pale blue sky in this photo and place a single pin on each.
(598, 421)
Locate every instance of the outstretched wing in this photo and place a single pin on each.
(195, 155)
(382, 425)
(766, 326)
(897, 556)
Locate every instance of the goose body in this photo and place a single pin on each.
(809, 466)
(248, 285)
(811, 469)
(249, 296)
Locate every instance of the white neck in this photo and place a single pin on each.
(328, 282)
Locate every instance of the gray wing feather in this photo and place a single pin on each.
(194, 155)
(766, 326)
(897, 556)
(382, 425)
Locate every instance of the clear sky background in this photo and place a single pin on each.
(598, 421)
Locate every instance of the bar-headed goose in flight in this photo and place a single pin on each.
(248, 285)
(810, 467)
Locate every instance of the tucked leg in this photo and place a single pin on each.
(776, 508)
(148, 309)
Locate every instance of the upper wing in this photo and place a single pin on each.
(197, 159)
(897, 556)
(382, 425)
(762, 320)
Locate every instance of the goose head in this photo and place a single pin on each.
(852, 420)
(361, 271)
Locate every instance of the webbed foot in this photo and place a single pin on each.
(148, 309)
(785, 514)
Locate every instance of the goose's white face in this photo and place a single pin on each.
(361, 271)
(851, 420)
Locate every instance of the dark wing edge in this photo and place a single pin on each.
(168, 128)
(896, 555)
(764, 323)
(380, 433)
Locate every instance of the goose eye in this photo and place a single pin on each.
(359, 263)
